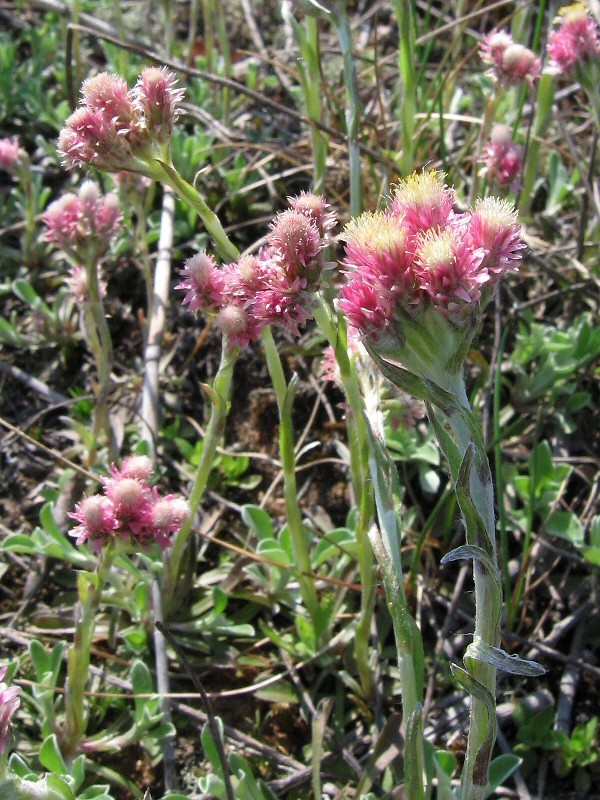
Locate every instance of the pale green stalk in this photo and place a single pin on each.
(436, 377)
(75, 12)
(220, 396)
(224, 245)
(359, 468)
(484, 134)
(544, 100)
(284, 394)
(406, 65)
(209, 36)
(100, 343)
(226, 55)
(307, 39)
(123, 56)
(353, 105)
(90, 586)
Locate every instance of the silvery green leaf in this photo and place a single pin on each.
(496, 657)
(471, 551)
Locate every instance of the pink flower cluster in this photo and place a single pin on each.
(575, 41)
(419, 253)
(270, 288)
(503, 159)
(12, 155)
(9, 702)
(509, 62)
(118, 129)
(129, 509)
(84, 222)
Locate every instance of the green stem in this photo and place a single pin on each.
(475, 491)
(220, 395)
(359, 468)
(544, 100)
(484, 134)
(103, 352)
(353, 106)
(223, 243)
(90, 595)
(284, 395)
(406, 62)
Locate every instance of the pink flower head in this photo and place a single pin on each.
(449, 269)
(423, 201)
(295, 240)
(129, 510)
(378, 246)
(78, 284)
(137, 467)
(85, 222)
(97, 521)
(12, 155)
(414, 258)
(575, 40)
(117, 129)
(129, 497)
(503, 158)
(9, 703)
(493, 228)
(156, 97)
(510, 62)
(366, 308)
(203, 282)
(316, 208)
(493, 46)
(239, 326)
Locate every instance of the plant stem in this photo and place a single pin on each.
(285, 395)
(223, 243)
(484, 134)
(544, 100)
(220, 396)
(353, 106)
(473, 484)
(90, 594)
(359, 468)
(406, 62)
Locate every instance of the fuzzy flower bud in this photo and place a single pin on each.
(203, 283)
(423, 201)
(575, 41)
(503, 159)
(510, 62)
(156, 97)
(97, 520)
(316, 208)
(12, 155)
(295, 239)
(9, 703)
(83, 223)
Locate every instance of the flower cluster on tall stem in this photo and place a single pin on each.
(82, 226)
(116, 128)
(272, 287)
(418, 276)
